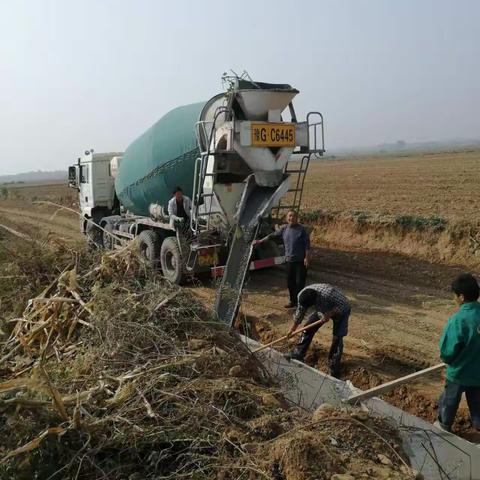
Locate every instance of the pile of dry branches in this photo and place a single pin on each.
(112, 373)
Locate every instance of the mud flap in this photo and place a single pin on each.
(256, 203)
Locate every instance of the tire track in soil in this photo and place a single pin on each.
(61, 224)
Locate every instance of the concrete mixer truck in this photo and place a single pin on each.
(232, 155)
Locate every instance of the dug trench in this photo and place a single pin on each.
(399, 308)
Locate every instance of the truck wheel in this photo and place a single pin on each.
(93, 234)
(171, 260)
(108, 241)
(149, 245)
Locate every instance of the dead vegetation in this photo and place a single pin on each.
(109, 372)
(428, 238)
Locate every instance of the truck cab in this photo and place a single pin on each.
(92, 176)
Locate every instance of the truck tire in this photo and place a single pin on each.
(93, 234)
(109, 224)
(149, 245)
(108, 241)
(171, 260)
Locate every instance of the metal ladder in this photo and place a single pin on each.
(293, 198)
(298, 173)
(206, 137)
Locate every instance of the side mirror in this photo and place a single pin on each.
(72, 177)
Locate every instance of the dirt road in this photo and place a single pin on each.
(43, 219)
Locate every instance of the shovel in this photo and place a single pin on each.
(296, 332)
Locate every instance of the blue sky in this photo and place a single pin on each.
(95, 74)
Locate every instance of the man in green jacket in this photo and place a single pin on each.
(460, 350)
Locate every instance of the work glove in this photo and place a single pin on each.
(177, 220)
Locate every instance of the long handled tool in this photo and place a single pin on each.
(296, 332)
(385, 387)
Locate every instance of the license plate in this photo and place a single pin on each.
(207, 257)
(273, 135)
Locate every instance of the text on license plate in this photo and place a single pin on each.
(207, 257)
(273, 135)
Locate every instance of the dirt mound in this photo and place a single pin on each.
(112, 373)
(346, 445)
(434, 239)
(364, 379)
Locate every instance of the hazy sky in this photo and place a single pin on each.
(96, 73)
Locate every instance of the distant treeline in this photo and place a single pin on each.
(29, 177)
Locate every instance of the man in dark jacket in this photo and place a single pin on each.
(328, 303)
(297, 254)
(460, 350)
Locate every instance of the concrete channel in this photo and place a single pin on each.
(434, 453)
